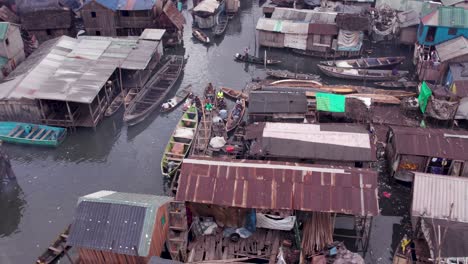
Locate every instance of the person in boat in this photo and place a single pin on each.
(237, 111)
(223, 113)
(394, 71)
(208, 106)
(246, 53)
(169, 104)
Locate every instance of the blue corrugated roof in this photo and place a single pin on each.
(126, 4)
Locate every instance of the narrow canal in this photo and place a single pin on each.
(118, 158)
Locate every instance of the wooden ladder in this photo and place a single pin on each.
(177, 237)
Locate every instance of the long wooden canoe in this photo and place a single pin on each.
(322, 89)
(179, 97)
(404, 84)
(234, 94)
(361, 74)
(31, 134)
(221, 26)
(255, 60)
(200, 35)
(297, 83)
(365, 63)
(235, 116)
(115, 105)
(283, 74)
(151, 95)
(56, 250)
(180, 142)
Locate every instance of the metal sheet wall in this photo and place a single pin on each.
(296, 41)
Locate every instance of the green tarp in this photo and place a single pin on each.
(330, 102)
(423, 97)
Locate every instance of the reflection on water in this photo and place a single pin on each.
(114, 157)
(12, 204)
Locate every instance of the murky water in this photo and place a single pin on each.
(118, 158)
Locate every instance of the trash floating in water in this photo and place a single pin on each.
(387, 194)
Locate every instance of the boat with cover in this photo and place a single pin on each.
(365, 63)
(152, 94)
(362, 74)
(200, 35)
(235, 116)
(283, 74)
(255, 60)
(32, 134)
(179, 97)
(221, 26)
(180, 142)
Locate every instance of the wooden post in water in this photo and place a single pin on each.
(265, 59)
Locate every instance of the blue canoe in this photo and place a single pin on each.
(24, 133)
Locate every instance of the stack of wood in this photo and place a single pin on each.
(317, 233)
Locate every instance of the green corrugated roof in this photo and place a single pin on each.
(3, 29)
(453, 17)
(150, 202)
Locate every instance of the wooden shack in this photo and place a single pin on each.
(331, 144)
(206, 12)
(130, 18)
(59, 22)
(437, 151)
(80, 97)
(11, 48)
(276, 106)
(115, 227)
(439, 218)
(269, 200)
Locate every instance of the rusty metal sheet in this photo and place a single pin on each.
(174, 15)
(441, 143)
(278, 185)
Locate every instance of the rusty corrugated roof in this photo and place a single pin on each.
(174, 15)
(440, 143)
(278, 185)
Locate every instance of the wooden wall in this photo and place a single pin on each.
(135, 19)
(58, 18)
(20, 111)
(161, 227)
(271, 39)
(104, 22)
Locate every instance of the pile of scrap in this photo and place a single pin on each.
(384, 23)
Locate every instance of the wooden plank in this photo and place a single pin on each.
(275, 247)
(14, 130)
(32, 132)
(46, 135)
(18, 133)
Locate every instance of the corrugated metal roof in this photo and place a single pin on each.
(126, 4)
(454, 236)
(311, 141)
(452, 48)
(3, 30)
(459, 72)
(278, 185)
(440, 143)
(408, 18)
(209, 6)
(24, 6)
(447, 16)
(303, 15)
(152, 34)
(451, 2)
(174, 15)
(75, 70)
(434, 195)
(277, 102)
(122, 223)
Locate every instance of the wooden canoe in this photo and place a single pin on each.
(152, 94)
(234, 94)
(200, 35)
(322, 89)
(377, 98)
(317, 54)
(31, 134)
(179, 97)
(283, 74)
(297, 83)
(180, 142)
(397, 93)
(115, 105)
(404, 84)
(56, 250)
(233, 122)
(219, 128)
(255, 60)
(203, 136)
(361, 74)
(221, 26)
(365, 63)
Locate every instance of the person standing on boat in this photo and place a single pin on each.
(246, 53)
